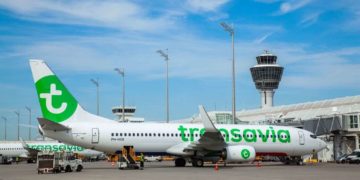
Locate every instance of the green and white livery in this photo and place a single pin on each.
(65, 120)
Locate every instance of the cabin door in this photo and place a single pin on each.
(95, 136)
(301, 138)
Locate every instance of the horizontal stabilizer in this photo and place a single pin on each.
(49, 125)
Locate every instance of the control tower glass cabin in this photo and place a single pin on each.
(266, 75)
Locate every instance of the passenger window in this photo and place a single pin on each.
(163, 134)
(167, 134)
(137, 134)
(142, 134)
(154, 134)
(149, 134)
(145, 134)
(117, 134)
(112, 134)
(159, 134)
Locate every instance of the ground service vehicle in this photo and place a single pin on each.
(5, 160)
(56, 162)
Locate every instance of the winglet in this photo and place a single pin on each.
(208, 124)
(23, 143)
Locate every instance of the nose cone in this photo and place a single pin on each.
(322, 144)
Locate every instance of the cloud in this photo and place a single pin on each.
(310, 19)
(292, 5)
(107, 13)
(262, 39)
(332, 69)
(205, 5)
(267, 1)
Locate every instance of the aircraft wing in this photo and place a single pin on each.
(211, 140)
(32, 152)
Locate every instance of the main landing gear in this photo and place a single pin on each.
(197, 162)
(180, 162)
(293, 160)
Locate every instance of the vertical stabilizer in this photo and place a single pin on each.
(56, 102)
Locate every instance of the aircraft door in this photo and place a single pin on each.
(301, 138)
(95, 136)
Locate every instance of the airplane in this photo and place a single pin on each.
(65, 120)
(28, 150)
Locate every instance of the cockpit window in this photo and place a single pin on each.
(313, 136)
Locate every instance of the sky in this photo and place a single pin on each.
(316, 41)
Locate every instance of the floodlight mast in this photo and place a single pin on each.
(29, 109)
(5, 124)
(122, 73)
(18, 124)
(166, 56)
(97, 84)
(230, 29)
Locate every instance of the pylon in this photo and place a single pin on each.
(216, 167)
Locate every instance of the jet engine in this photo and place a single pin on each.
(239, 153)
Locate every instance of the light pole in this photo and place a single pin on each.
(5, 124)
(230, 29)
(122, 73)
(96, 82)
(166, 56)
(29, 109)
(18, 126)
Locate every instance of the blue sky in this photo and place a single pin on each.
(317, 41)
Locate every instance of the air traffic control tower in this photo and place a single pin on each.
(266, 76)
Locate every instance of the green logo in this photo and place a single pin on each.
(56, 103)
(56, 147)
(238, 135)
(245, 153)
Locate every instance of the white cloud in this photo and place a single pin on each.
(292, 5)
(107, 13)
(262, 38)
(332, 69)
(310, 19)
(206, 5)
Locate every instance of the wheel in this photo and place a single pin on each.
(180, 162)
(300, 162)
(79, 168)
(68, 169)
(197, 162)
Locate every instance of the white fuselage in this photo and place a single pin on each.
(156, 138)
(16, 149)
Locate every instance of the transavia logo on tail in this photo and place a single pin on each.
(57, 104)
(245, 153)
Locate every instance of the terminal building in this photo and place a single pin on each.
(334, 120)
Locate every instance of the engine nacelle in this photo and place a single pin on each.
(239, 153)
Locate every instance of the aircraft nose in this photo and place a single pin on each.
(322, 144)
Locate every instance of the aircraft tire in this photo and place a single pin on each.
(180, 162)
(197, 162)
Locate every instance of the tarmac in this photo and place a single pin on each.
(166, 171)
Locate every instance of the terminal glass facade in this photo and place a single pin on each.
(223, 118)
(354, 121)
